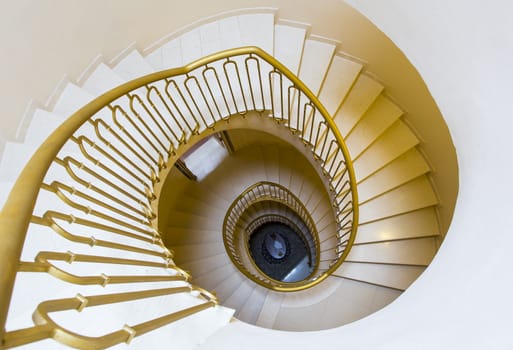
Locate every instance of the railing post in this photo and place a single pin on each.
(13, 227)
(10, 251)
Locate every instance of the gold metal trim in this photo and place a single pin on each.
(305, 112)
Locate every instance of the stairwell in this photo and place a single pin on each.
(398, 230)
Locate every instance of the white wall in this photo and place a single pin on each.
(464, 51)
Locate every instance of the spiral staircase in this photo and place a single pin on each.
(116, 226)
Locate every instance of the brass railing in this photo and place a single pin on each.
(236, 233)
(292, 222)
(87, 197)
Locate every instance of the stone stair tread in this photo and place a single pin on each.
(340, 78)
(393, 276)
(207, 264)
(315, 61)
(71, 99)
(380, 116)
(394, 142)
(363, 93)
(350, 301)
(226, 287)
(401, 170)
(191, 252)
(240, 295)
(101, 80)
(251, 308)
(412, 224)
(415, 194)
(257, 30)
(411, 252)
(214, 277)
(132, 66)
(269, 310)
(288, 45)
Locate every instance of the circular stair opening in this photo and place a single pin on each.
(280, 252)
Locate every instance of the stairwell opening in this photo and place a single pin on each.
(278, 250)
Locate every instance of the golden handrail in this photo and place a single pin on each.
(273, 192)
(16, 214)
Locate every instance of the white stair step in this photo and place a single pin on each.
(413, 195)
(401, 170)
(212, 278)
(339, 80)
(195, 220)
(270, 309)
(257, 30)
(229, 32)
(191, 252)
(210, 37)
(230, 187)
(226, 288)
(15, 157)
(288, 45)
(326, 234)
(190, 43)
(42, 125)
(393, 276)
(240, 295)
(363, 93)
(320, 209)
(201, 206)
(101, 80)
(180, 236)
(351, 301)
(311, 296)
(285, 171)
(5, 189)
(418, 223)
(187, 333)
(206, 265)
(167, 56)
(409, 252)
(271, 163)
(315, 61)
(380, 115)
(251, 308)
(172, 194)
(394, 142)
(311, 195)
(300, 171)
(71, 99)
(254, 163)
(133, 66)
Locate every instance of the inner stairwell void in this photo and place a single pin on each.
(120, 235)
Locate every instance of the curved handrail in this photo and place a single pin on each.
(264, 191)
(16, 214)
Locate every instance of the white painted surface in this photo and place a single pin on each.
(288, 45)
(339, 80)
(463, 301)
(101, 80)
(98, 90)
(315, 62)
(133, 66)
(71, 99)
